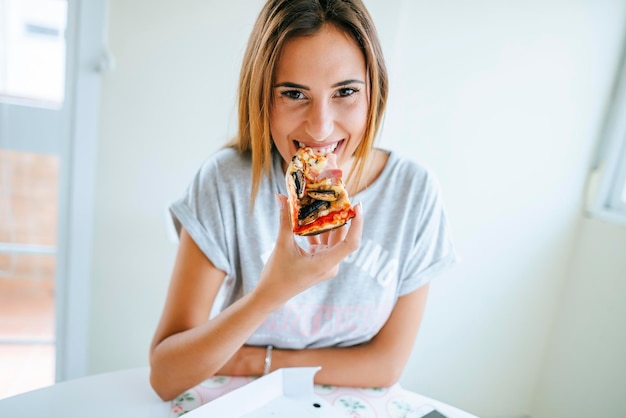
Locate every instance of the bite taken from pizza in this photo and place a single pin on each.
(318, 200)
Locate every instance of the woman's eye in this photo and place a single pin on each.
(292, 94)
(347, 91)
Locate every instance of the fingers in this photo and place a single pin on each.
(315, 248)
(328, 239)
(347, 240)
(352, 239)
(336, 235)
(285, 230)
(320, 262)
(314, 240)
(329, 248)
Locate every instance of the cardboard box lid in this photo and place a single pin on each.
(287, 392)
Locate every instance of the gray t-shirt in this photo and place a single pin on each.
(405, 243)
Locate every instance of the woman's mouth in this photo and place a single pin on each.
(327, 149)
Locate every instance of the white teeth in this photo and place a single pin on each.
(323, 151)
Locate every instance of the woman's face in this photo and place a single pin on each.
(320, 96)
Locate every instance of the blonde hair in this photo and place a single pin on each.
(278, 22)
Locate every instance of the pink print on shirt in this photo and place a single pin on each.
(302, 322)
(313, 320)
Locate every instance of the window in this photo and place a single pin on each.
(609, 176)
(32, 51)
(32, 96)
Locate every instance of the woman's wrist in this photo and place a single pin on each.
(247, 361)
(263, 302)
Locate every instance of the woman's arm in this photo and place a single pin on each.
(377, 363)
(188, 348)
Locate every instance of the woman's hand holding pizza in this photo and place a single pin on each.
(292, 269)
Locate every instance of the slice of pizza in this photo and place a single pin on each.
(318, 201)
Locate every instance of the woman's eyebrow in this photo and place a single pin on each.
(347, 83)
(292, 85)
(303, 87)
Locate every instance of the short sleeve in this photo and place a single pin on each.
(200, 212)
(432, 250)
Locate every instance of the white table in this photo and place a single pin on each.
(121, 394)
(125, 393)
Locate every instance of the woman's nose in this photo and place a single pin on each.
(320, 122)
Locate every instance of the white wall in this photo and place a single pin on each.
(585, 373)
(503, 100)
(166, 106)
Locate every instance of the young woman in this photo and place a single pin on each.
(247, 296)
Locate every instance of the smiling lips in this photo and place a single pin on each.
(322, 150)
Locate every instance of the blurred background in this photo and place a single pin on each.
(108, 108)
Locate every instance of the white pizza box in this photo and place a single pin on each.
(285, 392)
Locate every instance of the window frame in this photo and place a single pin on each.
(608, 181)
(86, 38)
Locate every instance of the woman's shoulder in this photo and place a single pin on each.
(229, 155)
(408, 177)
(225, 162)
(404, 168)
